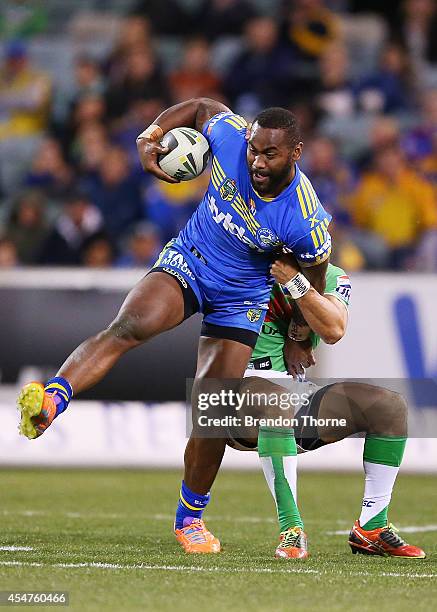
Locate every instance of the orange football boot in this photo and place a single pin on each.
(383, 541)
(195, 537)
(38, 409)
(293, 544)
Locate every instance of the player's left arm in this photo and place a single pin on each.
(326, 315)
(194, 113)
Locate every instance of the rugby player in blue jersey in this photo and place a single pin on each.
(258, 204)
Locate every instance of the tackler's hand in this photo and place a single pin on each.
(284, 269)
(298, 356)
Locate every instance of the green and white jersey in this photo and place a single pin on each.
(268, 352)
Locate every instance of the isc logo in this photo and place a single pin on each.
(367, 503)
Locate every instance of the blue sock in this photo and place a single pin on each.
(62, 391)
(191, 505)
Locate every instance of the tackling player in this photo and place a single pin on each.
(380, 413)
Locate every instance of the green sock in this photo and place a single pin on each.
(381, 458)
(278, 455)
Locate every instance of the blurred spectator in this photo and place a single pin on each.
(416, 29)
(396, 204)
(49, 171)
(310, 27)
(195, 77)
(98, 252)
(135, 33)
(22, 18)
(418, 142)
(89, 149)
(331, 178)
(170, 206)
(336, 98)
(262, 70)
(27, 227)
(428, 164)
(304, 108)
(142, 249)
(384, 131)
(169, 17)
(88, 82)
(78, 221)
(24, 95)
(8, 254)
(88, 77)
(116, 192)
(143, 80)
(89, 110)
(216, 18)
(390, 88)
(345, 251)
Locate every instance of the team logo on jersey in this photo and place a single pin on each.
(252, 206)
(253, 315)
(267, 237)
(343, 287)
(228, 190)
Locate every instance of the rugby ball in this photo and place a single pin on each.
(188, 153)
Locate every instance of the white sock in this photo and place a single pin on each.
(289, 463)
(378, 488)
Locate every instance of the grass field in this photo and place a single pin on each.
(106, 537)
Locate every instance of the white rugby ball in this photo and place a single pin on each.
(188, 155)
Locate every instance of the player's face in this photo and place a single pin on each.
(270, 158)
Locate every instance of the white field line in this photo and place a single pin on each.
(14, 548)
(155, 517)
(222, 570)
(406, 529)
(170, 517)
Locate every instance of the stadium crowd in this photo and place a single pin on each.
(72, 101)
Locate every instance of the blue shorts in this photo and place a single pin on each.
(230, 311)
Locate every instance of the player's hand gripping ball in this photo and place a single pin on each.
(188, 153)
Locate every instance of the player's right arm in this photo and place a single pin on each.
(326, 314)
(192, 113)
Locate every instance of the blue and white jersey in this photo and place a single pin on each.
(237, 231)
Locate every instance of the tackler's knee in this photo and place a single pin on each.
(389, 414)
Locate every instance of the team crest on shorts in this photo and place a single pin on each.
(228, 190)
(253, 315)
(267, 237)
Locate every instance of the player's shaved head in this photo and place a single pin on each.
(277, 118)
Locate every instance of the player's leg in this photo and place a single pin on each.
(277, 451)
(382, 415)
(218, 359)
(154, 305)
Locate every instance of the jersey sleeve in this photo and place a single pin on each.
(223, 128)
(313, 247)
(307, 235)
(338, 284)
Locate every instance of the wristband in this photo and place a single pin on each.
(298, 286)
(154, 132)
